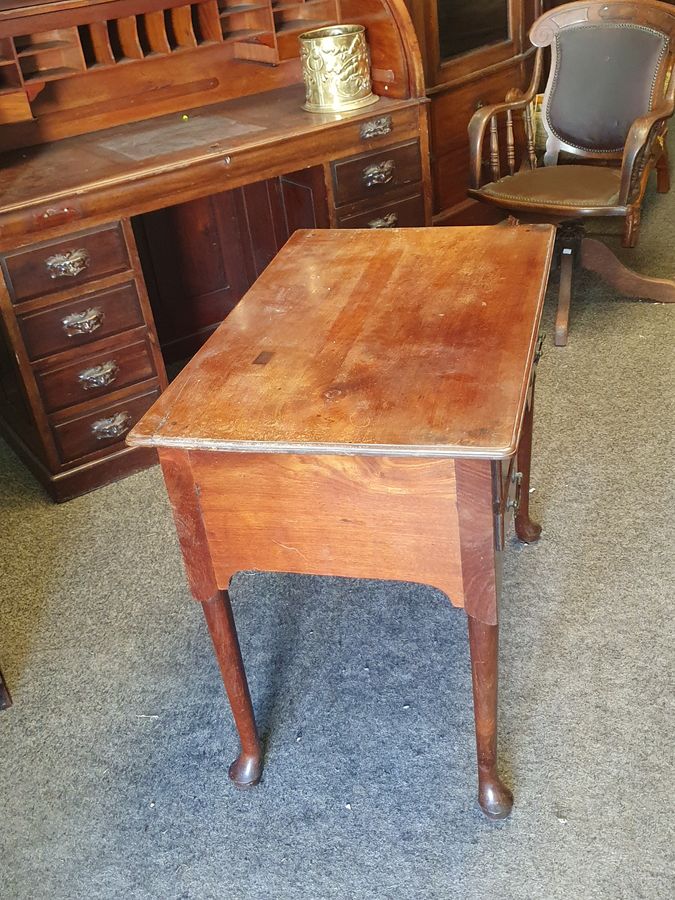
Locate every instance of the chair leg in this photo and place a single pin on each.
(598, 258)
(562, 318)
(663, 172)
(568, 247)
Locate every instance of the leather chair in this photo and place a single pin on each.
(605, 112)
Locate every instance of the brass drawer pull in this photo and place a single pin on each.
(376, 128)
(68, 264)
(112, 427)
(388, 221)
(99, 376)
(379, 173)
(83, 322)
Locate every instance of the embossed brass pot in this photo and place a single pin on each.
(336, 69)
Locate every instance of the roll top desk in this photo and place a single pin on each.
(154, 156)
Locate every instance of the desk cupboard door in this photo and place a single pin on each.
(196, 269)
(200, 258)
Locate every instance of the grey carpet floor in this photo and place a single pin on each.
(113, 758)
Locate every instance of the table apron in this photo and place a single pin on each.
(352, 516)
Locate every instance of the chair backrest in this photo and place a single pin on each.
(609, 65)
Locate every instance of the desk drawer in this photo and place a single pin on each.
(99, 430)
(405, 213)
(81, 321)
(96, 375)
(370, 175)
(384, 127)
(70, 261)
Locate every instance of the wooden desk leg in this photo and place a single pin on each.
(481, 574)
(495, 799)
(246, 770)
(527, 530)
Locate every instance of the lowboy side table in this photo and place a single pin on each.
(365, 411)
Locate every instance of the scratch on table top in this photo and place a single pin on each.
(294, 549)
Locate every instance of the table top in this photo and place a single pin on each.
(416, 341)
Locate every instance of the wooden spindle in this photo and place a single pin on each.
(100, 42)
(529, 131)
(127, 31)
(510, 144)
(209, 22)
(181, 18)
(155, 29)
(494, 150)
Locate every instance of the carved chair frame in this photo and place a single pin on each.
(644, 148)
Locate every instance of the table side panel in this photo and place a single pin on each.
(350, 516)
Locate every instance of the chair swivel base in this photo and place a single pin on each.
(575, 248)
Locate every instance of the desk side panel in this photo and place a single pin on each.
(351, 516)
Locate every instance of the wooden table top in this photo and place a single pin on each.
(415, 341)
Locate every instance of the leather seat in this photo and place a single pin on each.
(562, 185)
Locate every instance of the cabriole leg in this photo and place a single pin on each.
(495, 799)
(526, 530)
(5, 699)
(246, 770)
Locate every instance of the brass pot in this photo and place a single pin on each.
(336, 69)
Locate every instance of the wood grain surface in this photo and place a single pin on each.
(395, 342)
(189, 524)
(480, 557)
(221, 132)
(351, 516)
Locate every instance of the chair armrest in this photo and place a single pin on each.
(481, 119)
(640, 144)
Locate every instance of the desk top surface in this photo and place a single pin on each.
(415, 341)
